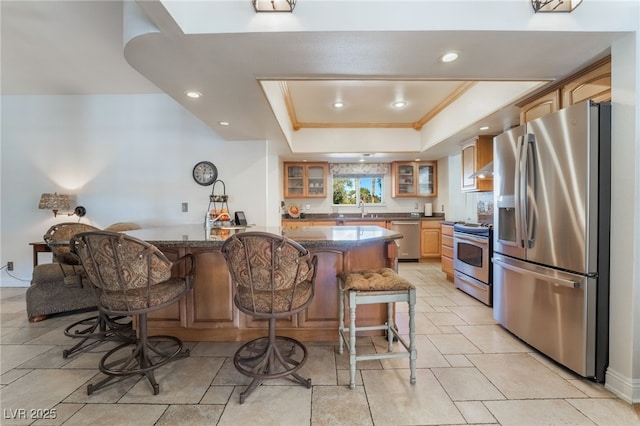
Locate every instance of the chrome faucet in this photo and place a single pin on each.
(362, 213)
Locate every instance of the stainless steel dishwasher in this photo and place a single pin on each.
(409, 244)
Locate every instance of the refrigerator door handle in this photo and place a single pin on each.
(559, 281)
(531, 180)
(517, 189)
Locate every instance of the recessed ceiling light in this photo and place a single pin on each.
(399, 104)
(193, 94)
(449, 57)
(417, 159)
(338, 104)
(223, 123)
(484, 128)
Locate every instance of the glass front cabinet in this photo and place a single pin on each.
(305, 180)
(414, 179)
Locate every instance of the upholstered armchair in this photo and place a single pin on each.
(59, 287)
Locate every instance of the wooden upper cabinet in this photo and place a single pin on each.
(594, 84)
(541, 106)
(414, 178)
(305, 180)
(476, 153)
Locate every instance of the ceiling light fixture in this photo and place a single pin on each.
(338, 104)
(399, 104)
(449, 57)
(554, 5)
(484, 128)
(274, 5)
(193, 94)
(223, 123)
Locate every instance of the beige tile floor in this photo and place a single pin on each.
(470, 371)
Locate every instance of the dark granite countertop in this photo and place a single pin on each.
(373, 217)
(308, 236)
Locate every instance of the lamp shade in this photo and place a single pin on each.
(554, 5)
(54, 202)
(274, 5)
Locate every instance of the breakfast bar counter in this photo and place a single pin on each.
(208, 312)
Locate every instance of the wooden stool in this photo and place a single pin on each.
(376, 286)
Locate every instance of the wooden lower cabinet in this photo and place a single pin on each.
(447, 250)
(382, 224)
(173, 315)
(429, 238)
(209, 314)
(293, 223)
(322, 223)
(210, 302)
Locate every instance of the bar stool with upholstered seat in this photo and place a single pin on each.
(274, 278)
(135, 278)
(376, 286)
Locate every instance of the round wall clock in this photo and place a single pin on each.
(205, 173)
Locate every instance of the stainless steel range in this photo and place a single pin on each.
(472, 251)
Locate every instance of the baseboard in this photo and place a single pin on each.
(625, 388)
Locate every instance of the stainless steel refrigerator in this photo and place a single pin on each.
(551, 235)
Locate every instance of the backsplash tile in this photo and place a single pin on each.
(485, 207)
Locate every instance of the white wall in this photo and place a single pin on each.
(125, 157)
(623, 374)
(462, 205)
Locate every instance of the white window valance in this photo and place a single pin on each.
(359, 168)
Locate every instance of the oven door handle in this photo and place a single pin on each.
(556, 280)
(468, 237)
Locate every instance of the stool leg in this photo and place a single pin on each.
(352, 339)
(412, 336)
(341, 317)
(390, 326)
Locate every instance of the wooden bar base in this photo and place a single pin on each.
(209, 314)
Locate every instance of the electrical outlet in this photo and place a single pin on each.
(185, 207)
(9, 266)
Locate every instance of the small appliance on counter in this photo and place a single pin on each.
(428, 209)
(240, 219)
